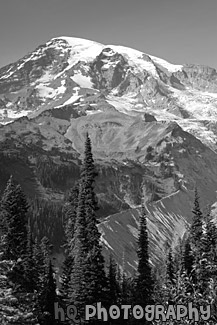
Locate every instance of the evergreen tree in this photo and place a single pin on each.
(88, 280)
(70, 210)
(14, 208)
(205, 266)
(88, 171)
(30, 267)
(46, 249)
(95, 258)
(196, 230)
(144, 280)
(170, 279)
(17, 250)
(170, 267)
(15, 308)
(188, 258)
(4, 208)
(79, 253)
(47, 299)
(113, 285)
(127, 296)
(127, 289)
(210, 238)
(41, 265)
(66, 278)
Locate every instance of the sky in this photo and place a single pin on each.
(180, 31)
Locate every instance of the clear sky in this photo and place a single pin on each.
(180, 31)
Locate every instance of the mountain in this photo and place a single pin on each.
(94, 77)
(152, 125)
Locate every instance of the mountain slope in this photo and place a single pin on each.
(152, 125)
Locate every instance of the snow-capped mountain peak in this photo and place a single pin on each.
(94, 77)
(83, 49)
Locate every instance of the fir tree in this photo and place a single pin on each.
(210, 238)
(170, 267)
(88, 280)
(196, 230)
(46, 249)
(188, 258)
(70, 210)
(113, 285)
(15, 205)
(170, 281)
(41, 265)
(79, 252)
(66, 278)
(127, 296)
(205, 266)
(127, 292)
(15, 308)
(30, 268)
(47, 299)
(144, 280)
(95, 258)
(4, 205)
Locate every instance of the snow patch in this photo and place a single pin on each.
(14, 114)
(169, 66)
(82, 81)
(72, 99)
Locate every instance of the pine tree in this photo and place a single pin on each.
(144, 280)
(210, 240)
(17, 251)
(88, 280)
(170, 267)
(188, 258)
(66, 278)
(70, 210)
(170, 279)
(15, 308)
(95, 257)
(46, 249)
(88, 175)
(30, 268)
(205, 266)
(127, 296)
(113, 285)
(196, 230)
(4, 205)
(48, 298)
(16, 207)
(41, 265)
(88, 172)
(78, 281)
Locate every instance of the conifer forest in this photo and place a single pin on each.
(31, 284)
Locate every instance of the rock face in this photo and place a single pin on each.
(149, 118)
(152, 125)
(198, 77)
